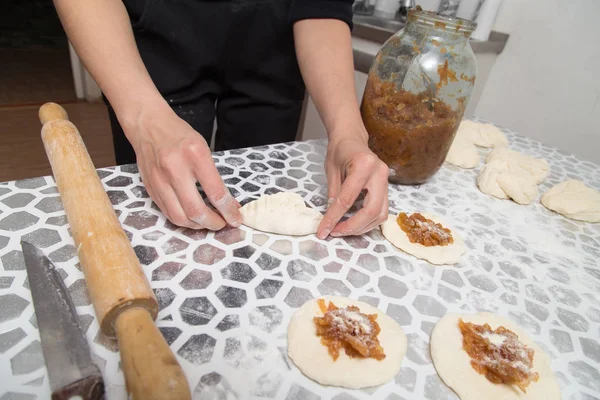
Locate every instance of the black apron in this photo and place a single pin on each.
(234, 60)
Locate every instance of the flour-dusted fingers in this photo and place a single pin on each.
(192, 204)
(353, 167)
(154, 196)
(375, 206)
(340, 204)
(173, 209)
(334, 185)
(216, 191)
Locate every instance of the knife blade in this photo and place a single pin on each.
(71, 370)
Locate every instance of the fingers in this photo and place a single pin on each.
(334, 185)
(171, 161)
(375, 206)
(189, 205)
(341, 203)
(176, 173)
(168, 201)
(373, 213)
(156, 198)
(217, 193)
(174, 210)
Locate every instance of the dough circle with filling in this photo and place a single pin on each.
(449, 254)
(453, 364)
(313, 358)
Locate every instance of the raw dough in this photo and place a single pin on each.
(313, 359)
(463, 154)
(449, 254)
(483, 135)
(284, 213)
(575, 200)
(537, 167)
(522, 189)
(510, 174)
(453, 364)
(487, 181)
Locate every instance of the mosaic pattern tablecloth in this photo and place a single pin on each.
(226, 297)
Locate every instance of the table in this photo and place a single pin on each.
(226, 297)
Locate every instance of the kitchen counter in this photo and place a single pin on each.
(226, 297)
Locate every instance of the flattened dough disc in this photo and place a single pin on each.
(453, 364)
(575, 200)
(449, 254)
(313, 359)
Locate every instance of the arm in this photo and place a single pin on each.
(324, 51)
(101, 34)
(171, 155)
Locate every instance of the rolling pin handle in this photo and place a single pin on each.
(150, 367)
(52, 111)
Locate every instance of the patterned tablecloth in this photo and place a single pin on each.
(226, 297)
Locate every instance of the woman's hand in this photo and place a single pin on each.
(351, 168)
(172, 157)
(328, 70)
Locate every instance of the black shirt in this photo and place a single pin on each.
(317, 9)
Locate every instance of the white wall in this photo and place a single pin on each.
(546, 82)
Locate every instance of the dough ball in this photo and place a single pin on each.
(463, 154)
(449, 254)
(483, 135)
(521, 188)
(518, 162)
(284, 213)
(453, 364)
(510, 174)
(575, 200)
(313, 359)
(468, 131)
(487, 181)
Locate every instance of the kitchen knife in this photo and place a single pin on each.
(66, 351)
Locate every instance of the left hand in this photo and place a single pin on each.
(352, 167)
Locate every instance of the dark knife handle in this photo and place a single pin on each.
(90, 388)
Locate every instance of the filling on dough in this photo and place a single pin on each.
(424, 231)
(498, 355)
(350, 329)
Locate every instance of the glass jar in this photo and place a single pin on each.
(416, 94)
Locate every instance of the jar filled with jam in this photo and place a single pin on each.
(416, 94)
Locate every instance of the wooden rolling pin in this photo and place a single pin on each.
(125, 304)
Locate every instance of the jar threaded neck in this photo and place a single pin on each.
(450, 24)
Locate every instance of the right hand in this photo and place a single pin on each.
(172, 157)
